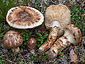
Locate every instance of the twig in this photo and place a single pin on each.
(10, 61)
(53, 2)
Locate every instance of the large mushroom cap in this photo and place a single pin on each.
(12, 39)
(24, 17)
(58, 13)
(76, 33)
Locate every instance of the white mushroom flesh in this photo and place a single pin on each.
(55, 23)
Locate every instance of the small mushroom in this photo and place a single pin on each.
(72, 35)
(31, 44)
(12, 40)
(56, 18)
(24, 17)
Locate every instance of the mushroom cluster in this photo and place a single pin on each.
(21, 17)
(56, 18)
(72, 35)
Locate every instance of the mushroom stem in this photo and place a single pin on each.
(72, 35)
(60, 44)
(16, 49)
(51, 38)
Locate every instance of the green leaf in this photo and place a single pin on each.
(23, 46)
(38, 34)
(83, 61)
(2, 60)
(82, 11)
(44, 36)
(83, 29)
(43, 52)
(27, 38)
(74, 12)
(0, 56)
(39, 57)
(25, 33)
(46, 57)
(73, 21)
(38, 39)
(59, 52)
(21, 62)
(24, 43)
(4, 52)
(61, 55)
(41, 41)
(39, 45)
(24, 39)
(79, 7)
(36, 4)
(32, 57)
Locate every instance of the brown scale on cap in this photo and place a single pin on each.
(23, 14)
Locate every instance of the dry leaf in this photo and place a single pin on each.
(73, 56)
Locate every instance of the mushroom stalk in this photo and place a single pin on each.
(31, 44)
(69, 37)
(51, 38)
(60, 44)
(17, 49)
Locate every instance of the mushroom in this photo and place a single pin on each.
(31, 44)
(72, 35)
(12, 40)
(24, 17)
(56, 18)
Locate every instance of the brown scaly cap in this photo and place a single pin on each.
(24, 17)
(12, 39)
(31, 43)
